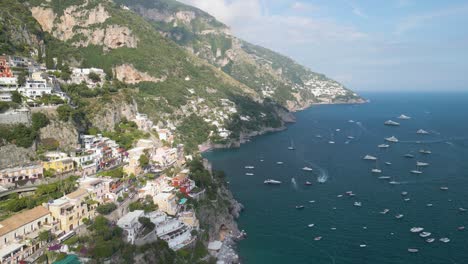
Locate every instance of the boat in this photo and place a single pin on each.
(460, 228)
(351, 121)
(404, 117)
(416, 172)
(376, 170)
(308, 183)
(384, 177)
(461, 209)
(300, 207)
(430, 240)
(416, 229)
(444, 240)
(399, 216)
(317, 238)
(383, 146)
(369, 157)
(407, 199)
(350, 137)
(409, 156)
(404, 193)
(358, 204)
(362, 245)
(318, 136)
(413, 250)
(339, 195)
(279, 162)
(392, 139)
(312, 201)
(425, 234)
(311, 225)
(429, 205)
(385, 211)
(337, 130)
(391, 123)
(249, 174)
(307, 169)
(271, 181)
(425, 151)
(422, 132)
(394, 182)
(249, 167)
(262, 160)
(291, 147)
(388, 163)
(444, 188)
(422, 164)
(331, 142)
(332, 228)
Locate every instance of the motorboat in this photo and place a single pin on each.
(409, 156)
(394, 182)
(384, 177)
(369, 157)
(444, 188)
(416, 172)
(404, 193)
(429, 205)
(422, 164)
(404, 117)
(444, 240)
(425, 151)
(279, 162)
(358, 204)
(317, 238)
(430, 240)
(331, 142)
(461, 209)
(399, 216)
(307, 169)
(388, 163)
(307, 183)
(339, 195)
(422, 132)
(376, 170)
(383, 146)
(299, 207)
(271, 181)
(332, 228)
(337, 130)
(425, 234)
(249, 167)
(413, 250)
(312, 201)
(407, 199)
(291, 147)
(385, 211)
(350, 137)
(249, 174)
(416, 229)
(391, 123)
(392, 139)
(311, 225)
(460, 228)
(362, 245)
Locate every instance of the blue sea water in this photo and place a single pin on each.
(278, 232)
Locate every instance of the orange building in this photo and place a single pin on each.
(5, 70)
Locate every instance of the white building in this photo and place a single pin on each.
(81, 75)
(130, 224)
(35, 88)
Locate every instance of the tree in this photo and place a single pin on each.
(146, 223)
(45, 236)
(94, 77)
(143, 160)
(16, 97)
(106, 209)
(22, 78)
(64, 112)
(39, 120)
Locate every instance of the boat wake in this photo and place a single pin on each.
(294, 183)
(323, 176)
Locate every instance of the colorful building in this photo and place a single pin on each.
(22, 173)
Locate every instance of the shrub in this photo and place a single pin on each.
(106, 209)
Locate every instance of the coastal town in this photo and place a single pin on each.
(147, 189)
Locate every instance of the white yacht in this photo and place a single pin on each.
(392, 139)
(384, 177)
(350, 137)
(422, 164)
(394, 182)
(307, 169)
(444, 239)
(399, 216)
(416, 229)
(375, 170)
(311, 225)
(279, 162)
(358, 204)
(404, 193)
(444, 188)
(409, 156)
(425, 151)
(351, 121)
(383, 146)
(362, 245)
(391, 123)
(430, 240)
(331, 142)
(388, 163)
(413, 250)
(369, 157)
(422, 132)
(425, 234)
(249, 174)
(404, 117)
(385, 211)
(249, 167)
(271, 181)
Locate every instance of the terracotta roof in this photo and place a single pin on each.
(76, 194)
(21, 219)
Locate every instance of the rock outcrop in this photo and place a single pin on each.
(128, 74)
(65, 133)
(112, 113)
(11, 156)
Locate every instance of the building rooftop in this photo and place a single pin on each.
(16, 221)
(130, 217)
(77, 194)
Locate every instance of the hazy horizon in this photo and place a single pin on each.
(366, 45)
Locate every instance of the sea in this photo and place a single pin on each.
(277, 232)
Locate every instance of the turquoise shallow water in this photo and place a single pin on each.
(278, 233)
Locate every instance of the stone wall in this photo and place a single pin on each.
(17, 116)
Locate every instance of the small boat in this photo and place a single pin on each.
(307, 183)
(404, 117)
(461, 209)
(291, 147)
(392, 139)
(271, 181)
(364, 227)
(331, 142)
(249, 167)
(394, 182)
(409, 156)
(307, 169)
(404, 193)
(337, 130)
(391, 123)
(339, 195)
(444, 188)
(460, 228)
(317, 238)
(416, 172)
(425, 151)
(349, 193)
(279, 162)
(383, 146)
(300, 207)
(399, 216)
(318, 136)
(407, 199)
(311, 225)
(422, 164)
(376, 170)
(369, 157)
(425, 234)
(358, 204)
(332, 228)
(350, 137)
(262, 160)
(430, 240)
(312, 201)
(350, 121)
(422, 132)
(413, 250)
(249, 174)
(362, 245)
(429, 205)
(444, 240)
(388, 163)
(384, 177)
(385, 211)
(416, 229)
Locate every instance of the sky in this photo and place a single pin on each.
(372, 45)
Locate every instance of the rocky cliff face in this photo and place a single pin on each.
(64, 133)
(11, 156)
(128, 74)
(112, 113)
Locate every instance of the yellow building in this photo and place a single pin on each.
(58, 161)
(71, 209)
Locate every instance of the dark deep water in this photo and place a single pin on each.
(278, 233)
